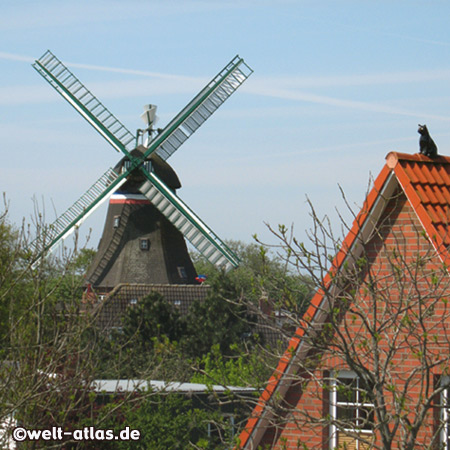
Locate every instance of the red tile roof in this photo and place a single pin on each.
(426, 183)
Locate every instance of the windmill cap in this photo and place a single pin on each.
(161, 168)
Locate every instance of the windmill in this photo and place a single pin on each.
(142, 174)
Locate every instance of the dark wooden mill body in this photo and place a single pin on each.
(139, 245)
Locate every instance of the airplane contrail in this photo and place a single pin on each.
(22, 58)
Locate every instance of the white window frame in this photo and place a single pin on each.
(334, 404)
(445, 414)
(231, 425)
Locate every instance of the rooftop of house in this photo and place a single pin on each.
(426, 184)
(124, 296)
(113, 306)
(125, 385)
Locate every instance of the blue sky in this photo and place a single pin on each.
(336, 86)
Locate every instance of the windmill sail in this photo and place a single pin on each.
(165, 144)
(65, 224)
(89, 106)
(188, 223)
(199, 109)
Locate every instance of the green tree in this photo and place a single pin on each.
(153, 317)
(251, 368)
(155, 335)
(261, 273)
(218, 322)
(165, 421)
(148, 342)
(47, 356)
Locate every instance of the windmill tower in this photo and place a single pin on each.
(143, 239)
(139, 244)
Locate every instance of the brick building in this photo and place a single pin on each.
(369, 364)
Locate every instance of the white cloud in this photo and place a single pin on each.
(267, 90)
(154, 83)
(54, 13)
(22, 95)
(363, 79)
(165, 76)
(14, 57)
(283, 87)
(416, 39)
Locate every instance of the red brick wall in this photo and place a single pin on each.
(403, 266)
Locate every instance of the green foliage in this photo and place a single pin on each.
(166, 421)
(66, 277)
(259, 274)
(218, 322)
(45, 354)
(148, 342)
(155, 336)
(152, 319)
(251, 369)
(15, 282)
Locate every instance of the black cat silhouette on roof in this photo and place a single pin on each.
(426, 144)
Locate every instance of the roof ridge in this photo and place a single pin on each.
(151, 285)
(392, 158)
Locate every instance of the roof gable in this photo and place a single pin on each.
(426, 185)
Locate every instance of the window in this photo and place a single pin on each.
(144, 244)
(182, 272)
(351, 412)
(116, 221)
(445, 415)
(113, 331)
(225, 430)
